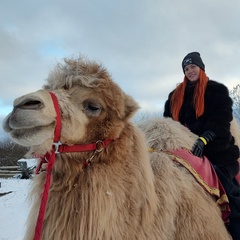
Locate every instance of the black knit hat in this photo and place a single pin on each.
(193, 58)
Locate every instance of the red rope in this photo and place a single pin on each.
(44, 198)
(51, 159)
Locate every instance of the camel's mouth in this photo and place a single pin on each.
(28, 136)
(28, 131)
(21, 120)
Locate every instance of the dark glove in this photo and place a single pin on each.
(203, 140)
(198, 148)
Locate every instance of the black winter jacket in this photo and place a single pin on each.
(217, 116)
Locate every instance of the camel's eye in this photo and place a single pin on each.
(92, 108)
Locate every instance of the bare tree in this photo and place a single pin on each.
(235, 95)
(10, 152)
(142, 116)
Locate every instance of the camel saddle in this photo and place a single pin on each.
(205, 174)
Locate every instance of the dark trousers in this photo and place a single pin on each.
(232, 189)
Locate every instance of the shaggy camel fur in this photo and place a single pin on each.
(122, 195)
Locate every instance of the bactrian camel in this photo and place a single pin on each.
(113, 188)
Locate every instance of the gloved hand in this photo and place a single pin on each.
(205, 138)
(198, 148)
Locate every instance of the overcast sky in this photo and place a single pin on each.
(140, 42)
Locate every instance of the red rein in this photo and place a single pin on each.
(49, 158)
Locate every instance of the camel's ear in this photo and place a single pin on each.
(131, 106)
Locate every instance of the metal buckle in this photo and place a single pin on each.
(56, 145)
(99, 146)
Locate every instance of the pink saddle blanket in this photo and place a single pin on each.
(204, 173)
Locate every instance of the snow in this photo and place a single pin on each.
(14, 208)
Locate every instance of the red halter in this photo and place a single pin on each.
(49, 158)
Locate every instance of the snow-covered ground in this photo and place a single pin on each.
(14, 208)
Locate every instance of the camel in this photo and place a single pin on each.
(120, 190)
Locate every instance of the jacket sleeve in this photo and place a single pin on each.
(220, 116)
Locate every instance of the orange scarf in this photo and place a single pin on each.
(198, 97)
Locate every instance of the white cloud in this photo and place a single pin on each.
(140, 42)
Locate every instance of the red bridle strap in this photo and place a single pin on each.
(49, 158)
(57, 132)
(98, 146)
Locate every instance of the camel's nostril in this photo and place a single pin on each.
(30, 104)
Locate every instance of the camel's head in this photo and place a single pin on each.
(92, 107)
